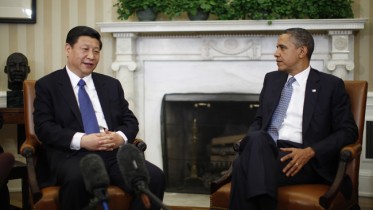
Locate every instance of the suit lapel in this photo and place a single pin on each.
(275, 93)
(310, 98)
(67, 92)
(102, 93)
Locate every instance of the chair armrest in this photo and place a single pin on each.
(216, 184)
(140, 144)
(350, 152)
(28, 151)
(347, 154)
(30, 143)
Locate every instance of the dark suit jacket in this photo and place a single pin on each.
(328, 123)
(57, 116)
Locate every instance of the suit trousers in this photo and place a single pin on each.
(257, 171)
(73, 194)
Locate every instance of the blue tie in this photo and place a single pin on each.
(86, 109)
(282, 107)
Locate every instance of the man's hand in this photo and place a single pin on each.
(145, 200)
(105, 141)
(298, 158)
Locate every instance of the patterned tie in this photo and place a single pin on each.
(280, 112)
(86, 109)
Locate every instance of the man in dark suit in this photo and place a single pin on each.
(59, 124)
(304, 146)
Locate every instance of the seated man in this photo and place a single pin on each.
(79, 112)
(303, 121)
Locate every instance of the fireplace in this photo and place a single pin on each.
(198, 131)
(153, 59)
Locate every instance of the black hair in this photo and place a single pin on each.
(302, 37)
(76, 32)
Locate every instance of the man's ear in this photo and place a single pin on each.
(5, 70)
(303, 52)
(67, 48)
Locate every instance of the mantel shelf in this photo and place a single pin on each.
(231, 26)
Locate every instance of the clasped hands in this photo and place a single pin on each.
(297, 159)
(104, 141)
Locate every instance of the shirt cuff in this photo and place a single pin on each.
(123, 136)
(75, 142)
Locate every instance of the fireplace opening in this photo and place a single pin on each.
(198, 131)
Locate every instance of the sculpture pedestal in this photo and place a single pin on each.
(14, 99)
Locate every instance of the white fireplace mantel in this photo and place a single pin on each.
(340, 32)
(232, 26)
(156, 58)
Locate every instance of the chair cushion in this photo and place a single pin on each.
(289, 197)
(117, 198)
(49, 200)
(304, 196)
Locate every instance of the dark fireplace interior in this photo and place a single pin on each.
(198, 131)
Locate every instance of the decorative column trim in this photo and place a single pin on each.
(125, 63)
(341, 61)
(125, 51)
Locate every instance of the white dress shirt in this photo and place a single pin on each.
(92, 93)
(291, 128)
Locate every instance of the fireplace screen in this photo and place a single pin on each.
(198, 131)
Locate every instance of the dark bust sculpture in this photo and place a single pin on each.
(17, 69)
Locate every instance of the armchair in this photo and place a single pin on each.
(316, 196)
(46, 197)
